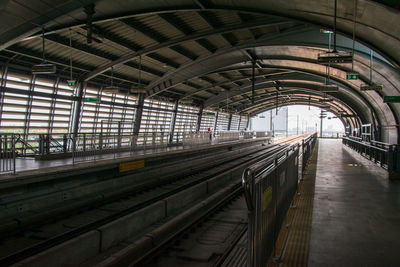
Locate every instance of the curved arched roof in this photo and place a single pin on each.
(204, 50)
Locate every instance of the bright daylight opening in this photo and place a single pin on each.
(298, 119)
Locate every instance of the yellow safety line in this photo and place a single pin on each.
(297, 236)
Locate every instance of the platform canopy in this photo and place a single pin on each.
(206, 53)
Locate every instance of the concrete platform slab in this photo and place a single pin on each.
(356, 212)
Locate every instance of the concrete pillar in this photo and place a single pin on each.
(199, 117)
(172, 128)
(78, 109)
(216, 122)
(229, 122)
(138, 116)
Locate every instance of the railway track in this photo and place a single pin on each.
(34, 241)
(206, 241)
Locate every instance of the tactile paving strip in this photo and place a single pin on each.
(297, 246)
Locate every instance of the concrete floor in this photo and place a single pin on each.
(29, 166)
(356, 213)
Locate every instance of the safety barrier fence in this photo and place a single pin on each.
(248, 135)
(260, 134)
(85, 147)
(56, 143)
(385, 155)
(331, 135)
(269, 187)
(227, 136)
(199, 138)
(7, 153)
(89, 147)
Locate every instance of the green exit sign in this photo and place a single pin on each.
(71, 83)
(352, 76)
(91, 99)
(391, 99)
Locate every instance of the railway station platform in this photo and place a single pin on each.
(348, 212)
(27, 166)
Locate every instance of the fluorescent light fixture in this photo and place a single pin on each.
(325, 107)
(373, 87)
(329, 88)
(347, 115)
(186, 101)
(137, 90)
(332, 58)
(44, 69)
(326, 100)
(325, 31)
(111, 89)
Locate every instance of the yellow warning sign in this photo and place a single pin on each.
(267, 197)
(131, 165)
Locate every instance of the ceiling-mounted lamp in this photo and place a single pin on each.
(137, 90)
(371, 86)
(71, 82)
(326, 100)
(345, 115)
(326, 31)
(44, 67)
(186, 101)
(325, 106)
(335, 58)
(329, 88)
(111, 89)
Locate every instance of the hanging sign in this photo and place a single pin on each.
(391, 99)
(71, 83)
(351, 76)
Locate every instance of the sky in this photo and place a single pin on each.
(308, 118)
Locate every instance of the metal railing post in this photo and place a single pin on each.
(73, 149)
(84, 142)
(65, 143)
(390, 159)
(247, 182)
(14, 154)
(47, 143)
(41, 144)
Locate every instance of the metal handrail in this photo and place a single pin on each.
(385, 155)
(268, 187)
(7, 153)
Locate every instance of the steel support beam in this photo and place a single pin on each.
(173, 121)
(138, 115)
(230, 122)
(78, 109)
(190, 37)
(199, 118)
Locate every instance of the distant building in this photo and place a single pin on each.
(262, 122)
